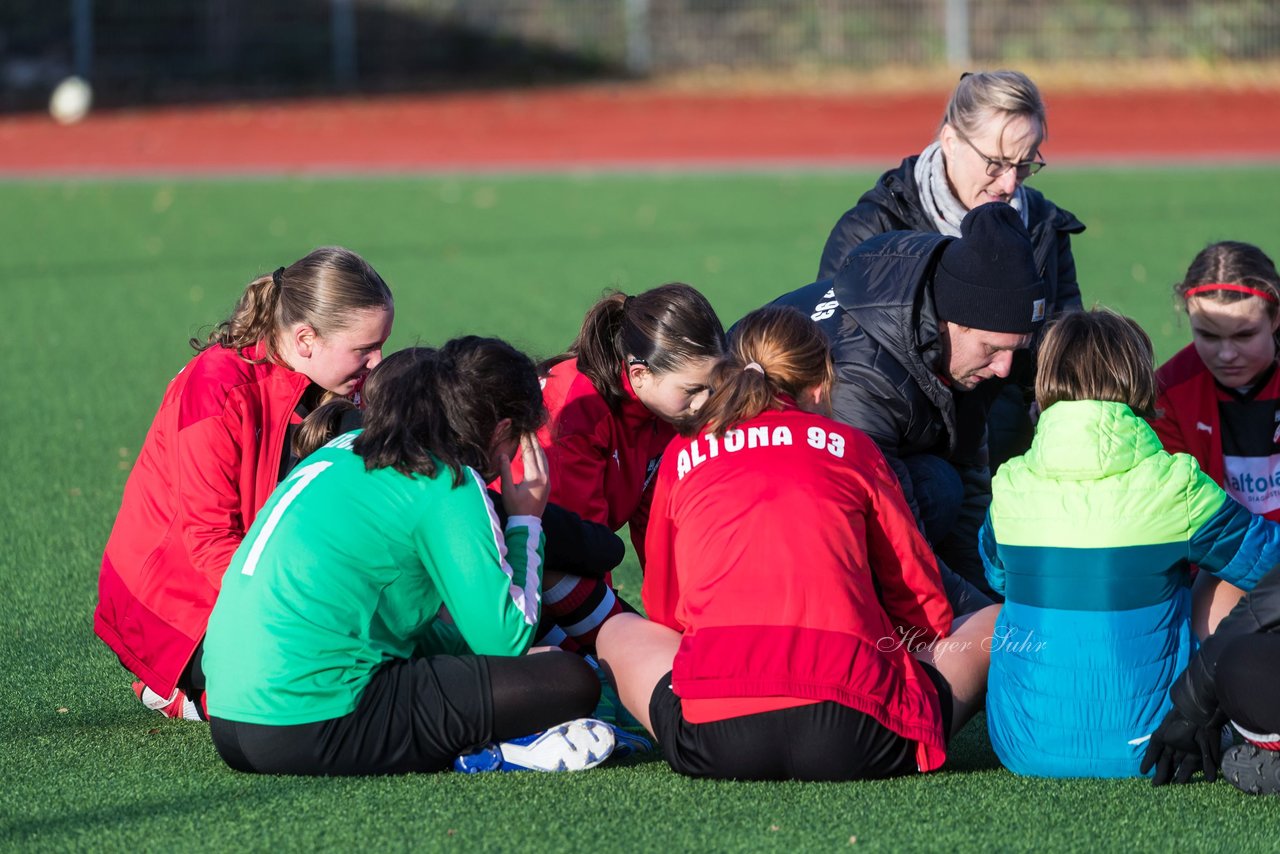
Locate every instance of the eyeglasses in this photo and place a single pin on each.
(996, 168)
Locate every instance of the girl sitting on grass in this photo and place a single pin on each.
(787, 585)
(215, 451)
(329, 652)
(1089, 538)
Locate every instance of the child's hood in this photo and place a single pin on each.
(1089, 439)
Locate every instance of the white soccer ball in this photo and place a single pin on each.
(70, 101)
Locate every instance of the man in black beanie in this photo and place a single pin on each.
(919, 323)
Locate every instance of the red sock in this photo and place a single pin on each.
(580, 606)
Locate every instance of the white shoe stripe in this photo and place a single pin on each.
(1268, 738)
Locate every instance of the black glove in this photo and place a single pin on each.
(1180, 747)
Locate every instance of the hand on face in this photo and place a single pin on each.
(529, 496)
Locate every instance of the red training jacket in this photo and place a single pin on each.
(767, 549)
(602, 464)
(209, 461)
(1188, 411)
(1189, 408)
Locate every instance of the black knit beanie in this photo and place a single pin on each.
(987, 278)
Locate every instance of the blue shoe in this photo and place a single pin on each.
(629, 743)
(573, 746)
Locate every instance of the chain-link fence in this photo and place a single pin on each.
(863, 34)
(139, 50)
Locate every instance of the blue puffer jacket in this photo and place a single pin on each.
(1090, 538)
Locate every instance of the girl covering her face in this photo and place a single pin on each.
(327, 652)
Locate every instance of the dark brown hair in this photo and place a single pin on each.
(1097, 355)
(774, 350)
(664, 329)
(320, 290)
(1231, 262)
(424, 405)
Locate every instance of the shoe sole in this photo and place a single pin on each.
(484, 760)
(1253, 771)
(573, 746)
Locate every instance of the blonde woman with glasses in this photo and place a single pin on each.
(988, 145)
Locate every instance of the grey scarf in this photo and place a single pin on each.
(939, 202)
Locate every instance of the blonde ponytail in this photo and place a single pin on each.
(252, 320)
(321, 290)
(775, 350)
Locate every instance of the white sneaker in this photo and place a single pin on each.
(176, 705)
(573, 746)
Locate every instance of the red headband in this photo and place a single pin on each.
(1231, 286)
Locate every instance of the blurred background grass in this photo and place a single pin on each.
(104, 282)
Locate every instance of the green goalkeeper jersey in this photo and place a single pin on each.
(345, 569)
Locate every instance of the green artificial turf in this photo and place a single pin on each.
(103, 283)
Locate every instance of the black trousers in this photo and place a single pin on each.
(1247, 679)
(418, 714)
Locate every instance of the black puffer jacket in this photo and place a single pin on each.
(879, 315)
(893, 204)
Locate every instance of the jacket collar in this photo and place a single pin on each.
(1090, 439)
(256, 352)
(899, 186)
(276, 372)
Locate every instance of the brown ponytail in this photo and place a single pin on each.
(321, 290)
(665, 329)
(252, 320)
(774, 350)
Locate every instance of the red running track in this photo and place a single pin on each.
(615, 128)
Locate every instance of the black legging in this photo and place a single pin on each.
(418, 714)
(1248, 682)
(533, 692)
